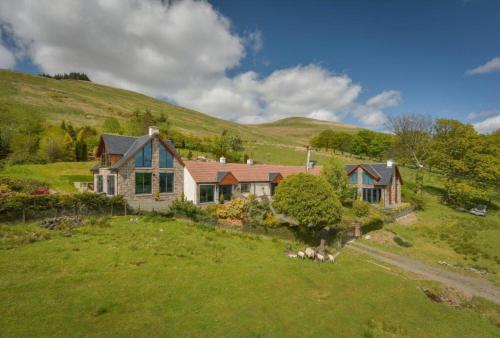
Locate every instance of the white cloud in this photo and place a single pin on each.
(488, 125)
(482, 114)
(182, 51)
(491, 66)
(7, 59)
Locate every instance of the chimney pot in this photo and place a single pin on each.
(389, 163)
(153, 130)
(222, 160)
(250, 161)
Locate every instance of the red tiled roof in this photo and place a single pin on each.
(206, 172)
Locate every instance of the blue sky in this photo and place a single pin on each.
(255, 61)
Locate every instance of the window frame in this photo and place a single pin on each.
(213, 193)
(140, 158)
(100, 183)
(243, 191)
(166, 175)
(111, 178)
(150, 183)
(353, 178)
(168, 161)
(367, 179)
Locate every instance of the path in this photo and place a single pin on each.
(466, 284)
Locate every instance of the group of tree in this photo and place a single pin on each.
(365, 143)
(68, 76)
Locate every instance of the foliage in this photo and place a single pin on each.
(26, 186)
(335, 175)
(308, 199)
(256, 210)
(111, 125)
(184, 208)
(402, 242)
(24, 141)
(371, 144)
(233, 209)
(412, 197)
(68, 76)
(360, 208)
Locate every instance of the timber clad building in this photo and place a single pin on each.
(150, 174)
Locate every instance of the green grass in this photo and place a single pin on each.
(59, 176)
(172, 278)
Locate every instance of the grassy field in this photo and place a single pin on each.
(172, 278)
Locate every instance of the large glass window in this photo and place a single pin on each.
(99, 183)
(166, 182)
(111, 184)
(143, 183)
(207, 193)
(166, 159)
(353, 179)
(367, 179)
(371, 195)
(245, 188)
(143, 156)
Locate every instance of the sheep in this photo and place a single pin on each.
(301, 254)
(320, 257)
(310, 253)
(292, 255)
(331, 258)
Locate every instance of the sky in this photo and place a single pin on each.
(357, 62)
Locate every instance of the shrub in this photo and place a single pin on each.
(256, 211)
(360, 208)
(234, 209)
(27, 186)
(184, 208)
(402, 242)
(271, 221)
(416, 200)
(374, 222)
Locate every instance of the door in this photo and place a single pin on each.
(227, 191)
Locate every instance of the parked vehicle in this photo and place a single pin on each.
(479, 211)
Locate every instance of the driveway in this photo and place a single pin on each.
(466, 284)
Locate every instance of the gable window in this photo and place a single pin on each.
(353, 179)
(143, 157)
(99, 183)
(105, 160)
(367, 179)
(245, 188)
(111, 184)
(143, 183)
(207, 193)
(166, 158)
(166, 182)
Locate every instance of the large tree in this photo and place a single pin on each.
(413, 136)
(335, 174)
(309, 200)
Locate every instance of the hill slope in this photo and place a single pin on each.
(86, 103)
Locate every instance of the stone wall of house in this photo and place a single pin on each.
(156, 201)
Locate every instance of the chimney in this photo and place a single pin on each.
(308, 163)
(222, 160)
(153, 130)
(389, 163)
(250, 161)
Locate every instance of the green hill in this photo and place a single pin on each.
(85, 103)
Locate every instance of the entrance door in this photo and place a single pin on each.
(227, 191)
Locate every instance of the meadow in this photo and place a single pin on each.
(160, 277)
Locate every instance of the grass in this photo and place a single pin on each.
(172, 278)
(59, 176)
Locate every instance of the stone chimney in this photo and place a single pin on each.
(153, 130)
(222, 160)
(389, 163)
(250, 161)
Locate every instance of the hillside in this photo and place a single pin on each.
(85, 103)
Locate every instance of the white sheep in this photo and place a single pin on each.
(320, 257)
(310, 253)
(331, 258)
(292, 255)
(301, 254)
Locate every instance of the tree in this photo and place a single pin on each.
(469, 161)
(309, 200)
(334, 173)
(413, 136)
(68, 150)
(52, 144)
(111, 125)
(139, 123)
(25, 142)
(81, 149)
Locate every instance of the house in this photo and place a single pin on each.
(146, 170)
(376, 183)
(149, 174)
(206, 182)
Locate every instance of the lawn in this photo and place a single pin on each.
(173, 278)
(59, 176)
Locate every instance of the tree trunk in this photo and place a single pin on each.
(322, 246)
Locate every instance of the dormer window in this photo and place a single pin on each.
(144, 156)
(105, 160)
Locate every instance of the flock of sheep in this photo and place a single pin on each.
(313, 254)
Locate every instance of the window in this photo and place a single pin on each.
(207, 193)
(111, 184)
(367, 179)
(245, 188)
(273, 188)
(371, 195)
(105, 160)
(99, 183)
(143, 156)
(166, 159)
(353, 179)
(143, 183)
(166, 182)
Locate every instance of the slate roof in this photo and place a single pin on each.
(207, 172)
(379, 170)
(117, 144)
